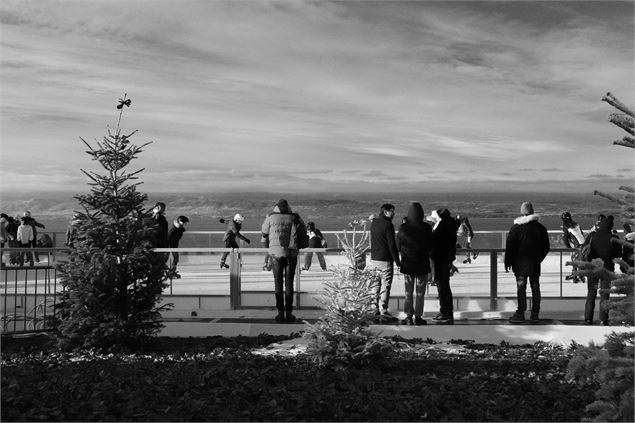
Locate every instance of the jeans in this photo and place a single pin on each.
(283, 274)
(418, 284)
(521, 293)
(442, 276)
(386, 271)
(308, 258)
(591, 295)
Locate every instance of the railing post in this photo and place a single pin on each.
(297, 278)
(234, 280)
(493, 280)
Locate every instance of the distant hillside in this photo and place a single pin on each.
(326, 206)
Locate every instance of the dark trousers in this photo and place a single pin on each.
(34, 245)
(442, 277)
(283, 274)
(175, 258)
(308, 258)
(521, 293)
(591, 295)
(29, 254)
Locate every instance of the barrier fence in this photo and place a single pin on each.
(29, 293)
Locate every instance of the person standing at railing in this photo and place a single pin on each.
(573, 237)
(25, 238)
(383, 253)
(34, 225)
(526, 247)
(443, 255)
(414, 242)
(316, 240)
(232, 232)
(284, 234)
(601, 247)
(174, 236)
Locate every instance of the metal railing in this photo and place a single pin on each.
(29, 293)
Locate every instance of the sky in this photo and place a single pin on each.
(318, 96)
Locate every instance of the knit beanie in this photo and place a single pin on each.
(606, 224)
(526, 208)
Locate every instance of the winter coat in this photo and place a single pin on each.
(34, 225)
(315, 238)
(159, 226)
(527, 246)
(382, 241)
(444, 238)
(278, 231)
(601, 245)
(175, 234)
(233, 232)
(414, 242)
(25, 234)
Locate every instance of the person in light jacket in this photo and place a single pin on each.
(573, 237)
(414, 242)
(526, 247)
(25, 238)
(284, 234)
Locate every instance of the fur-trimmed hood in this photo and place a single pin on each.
(522, 220)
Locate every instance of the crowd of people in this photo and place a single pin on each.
(423, 249)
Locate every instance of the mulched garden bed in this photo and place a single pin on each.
(245, 379)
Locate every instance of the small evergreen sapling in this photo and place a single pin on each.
(112, 280)
(342, 336)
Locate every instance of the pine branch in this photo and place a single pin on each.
(610, 197)
(627, 189)
(622, 242)
(625, 142)
(613, 101)
(623, 121)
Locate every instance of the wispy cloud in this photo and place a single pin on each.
(298, 93)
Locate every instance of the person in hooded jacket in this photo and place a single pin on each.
(414, 242)
(383, 253)
(526, 247)
(443, 254)
(284, 234)
(71, 230)
(316, 240)
(601, 247)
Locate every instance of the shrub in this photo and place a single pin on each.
(342, 336)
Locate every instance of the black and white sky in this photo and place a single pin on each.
(318, 95)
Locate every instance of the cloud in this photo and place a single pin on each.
(299, 93)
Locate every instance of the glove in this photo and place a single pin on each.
(468, 245)
(247, 241)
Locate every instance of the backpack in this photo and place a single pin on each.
(299, 235)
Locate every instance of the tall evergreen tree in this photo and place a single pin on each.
(112, 281)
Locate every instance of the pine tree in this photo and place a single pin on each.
(112, 281)
(342, 336)
(621, 304)
(611, 367)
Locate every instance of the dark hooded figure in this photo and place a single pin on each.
(443, 254)
(601, 247)
(414, 242)
(526, 247)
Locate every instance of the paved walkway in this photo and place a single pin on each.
(481, 327)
